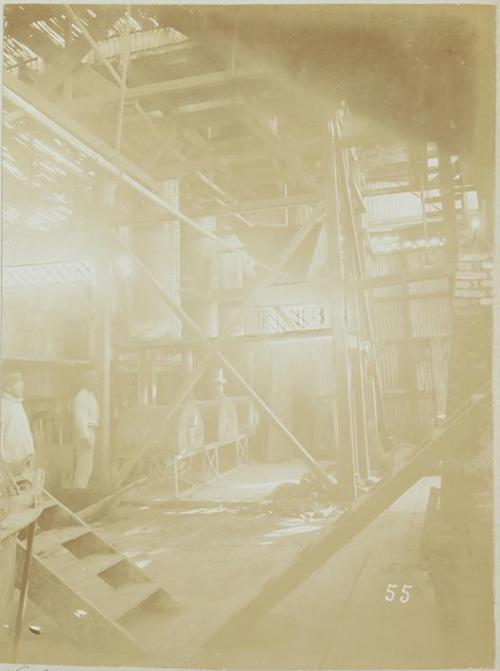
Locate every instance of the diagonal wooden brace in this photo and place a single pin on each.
(366, 509)
(212, 350)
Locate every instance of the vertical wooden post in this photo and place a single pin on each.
(448, 200)
(359, 411)
(346, 478)
(359, 265)
(144, 377)
(23, 591)
(103, 315)
(408, 360)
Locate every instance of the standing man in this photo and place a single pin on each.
(16, 446)
(85, 423)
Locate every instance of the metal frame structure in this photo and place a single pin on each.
(72, 124)
(181, 114)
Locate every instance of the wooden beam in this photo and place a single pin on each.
(208, 79)
(449, 211)
(232, 342)
(56, 71)
(102, 507)
(284, 153)
(369, 283)
(345, 462)
(409, 370)
(103, 315)
(164, 142)
(245, 207)
(360, 271)
(275, 420)
(123, 93)
(113, 162)
(218, 159)
(234, 321)
(348, 526)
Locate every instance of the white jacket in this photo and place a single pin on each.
(17, 440)
(85, 413)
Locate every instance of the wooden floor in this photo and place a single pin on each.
(340, 618)
(212, 561)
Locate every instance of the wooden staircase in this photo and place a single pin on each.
(99, 597)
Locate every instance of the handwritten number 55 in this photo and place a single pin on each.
(391, 593)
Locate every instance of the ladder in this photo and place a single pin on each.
(100, 598)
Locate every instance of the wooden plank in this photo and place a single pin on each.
(48, 539)
(343, 530)
(104, 505)
(80, 569)
(127, 598)
(434, 273)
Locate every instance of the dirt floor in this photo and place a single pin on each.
(211, 557)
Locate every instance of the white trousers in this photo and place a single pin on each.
(84, 461)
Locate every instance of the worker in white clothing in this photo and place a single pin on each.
(16, 446)
(85, 423)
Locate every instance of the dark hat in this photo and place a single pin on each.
(11, 377)
(89, 376)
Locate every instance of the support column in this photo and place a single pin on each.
(408, 358)
(199, 281)
(199, 276)
(158, 246)
(346, 479)
(103, 318)
(448, 200)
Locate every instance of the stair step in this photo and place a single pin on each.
(58, 536)
(58, 558)
(128, 597)
(90, 566)
(93, 589)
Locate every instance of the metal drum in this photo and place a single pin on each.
(220, 419)
(190, 430)
(248, 415)
(183, 434)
